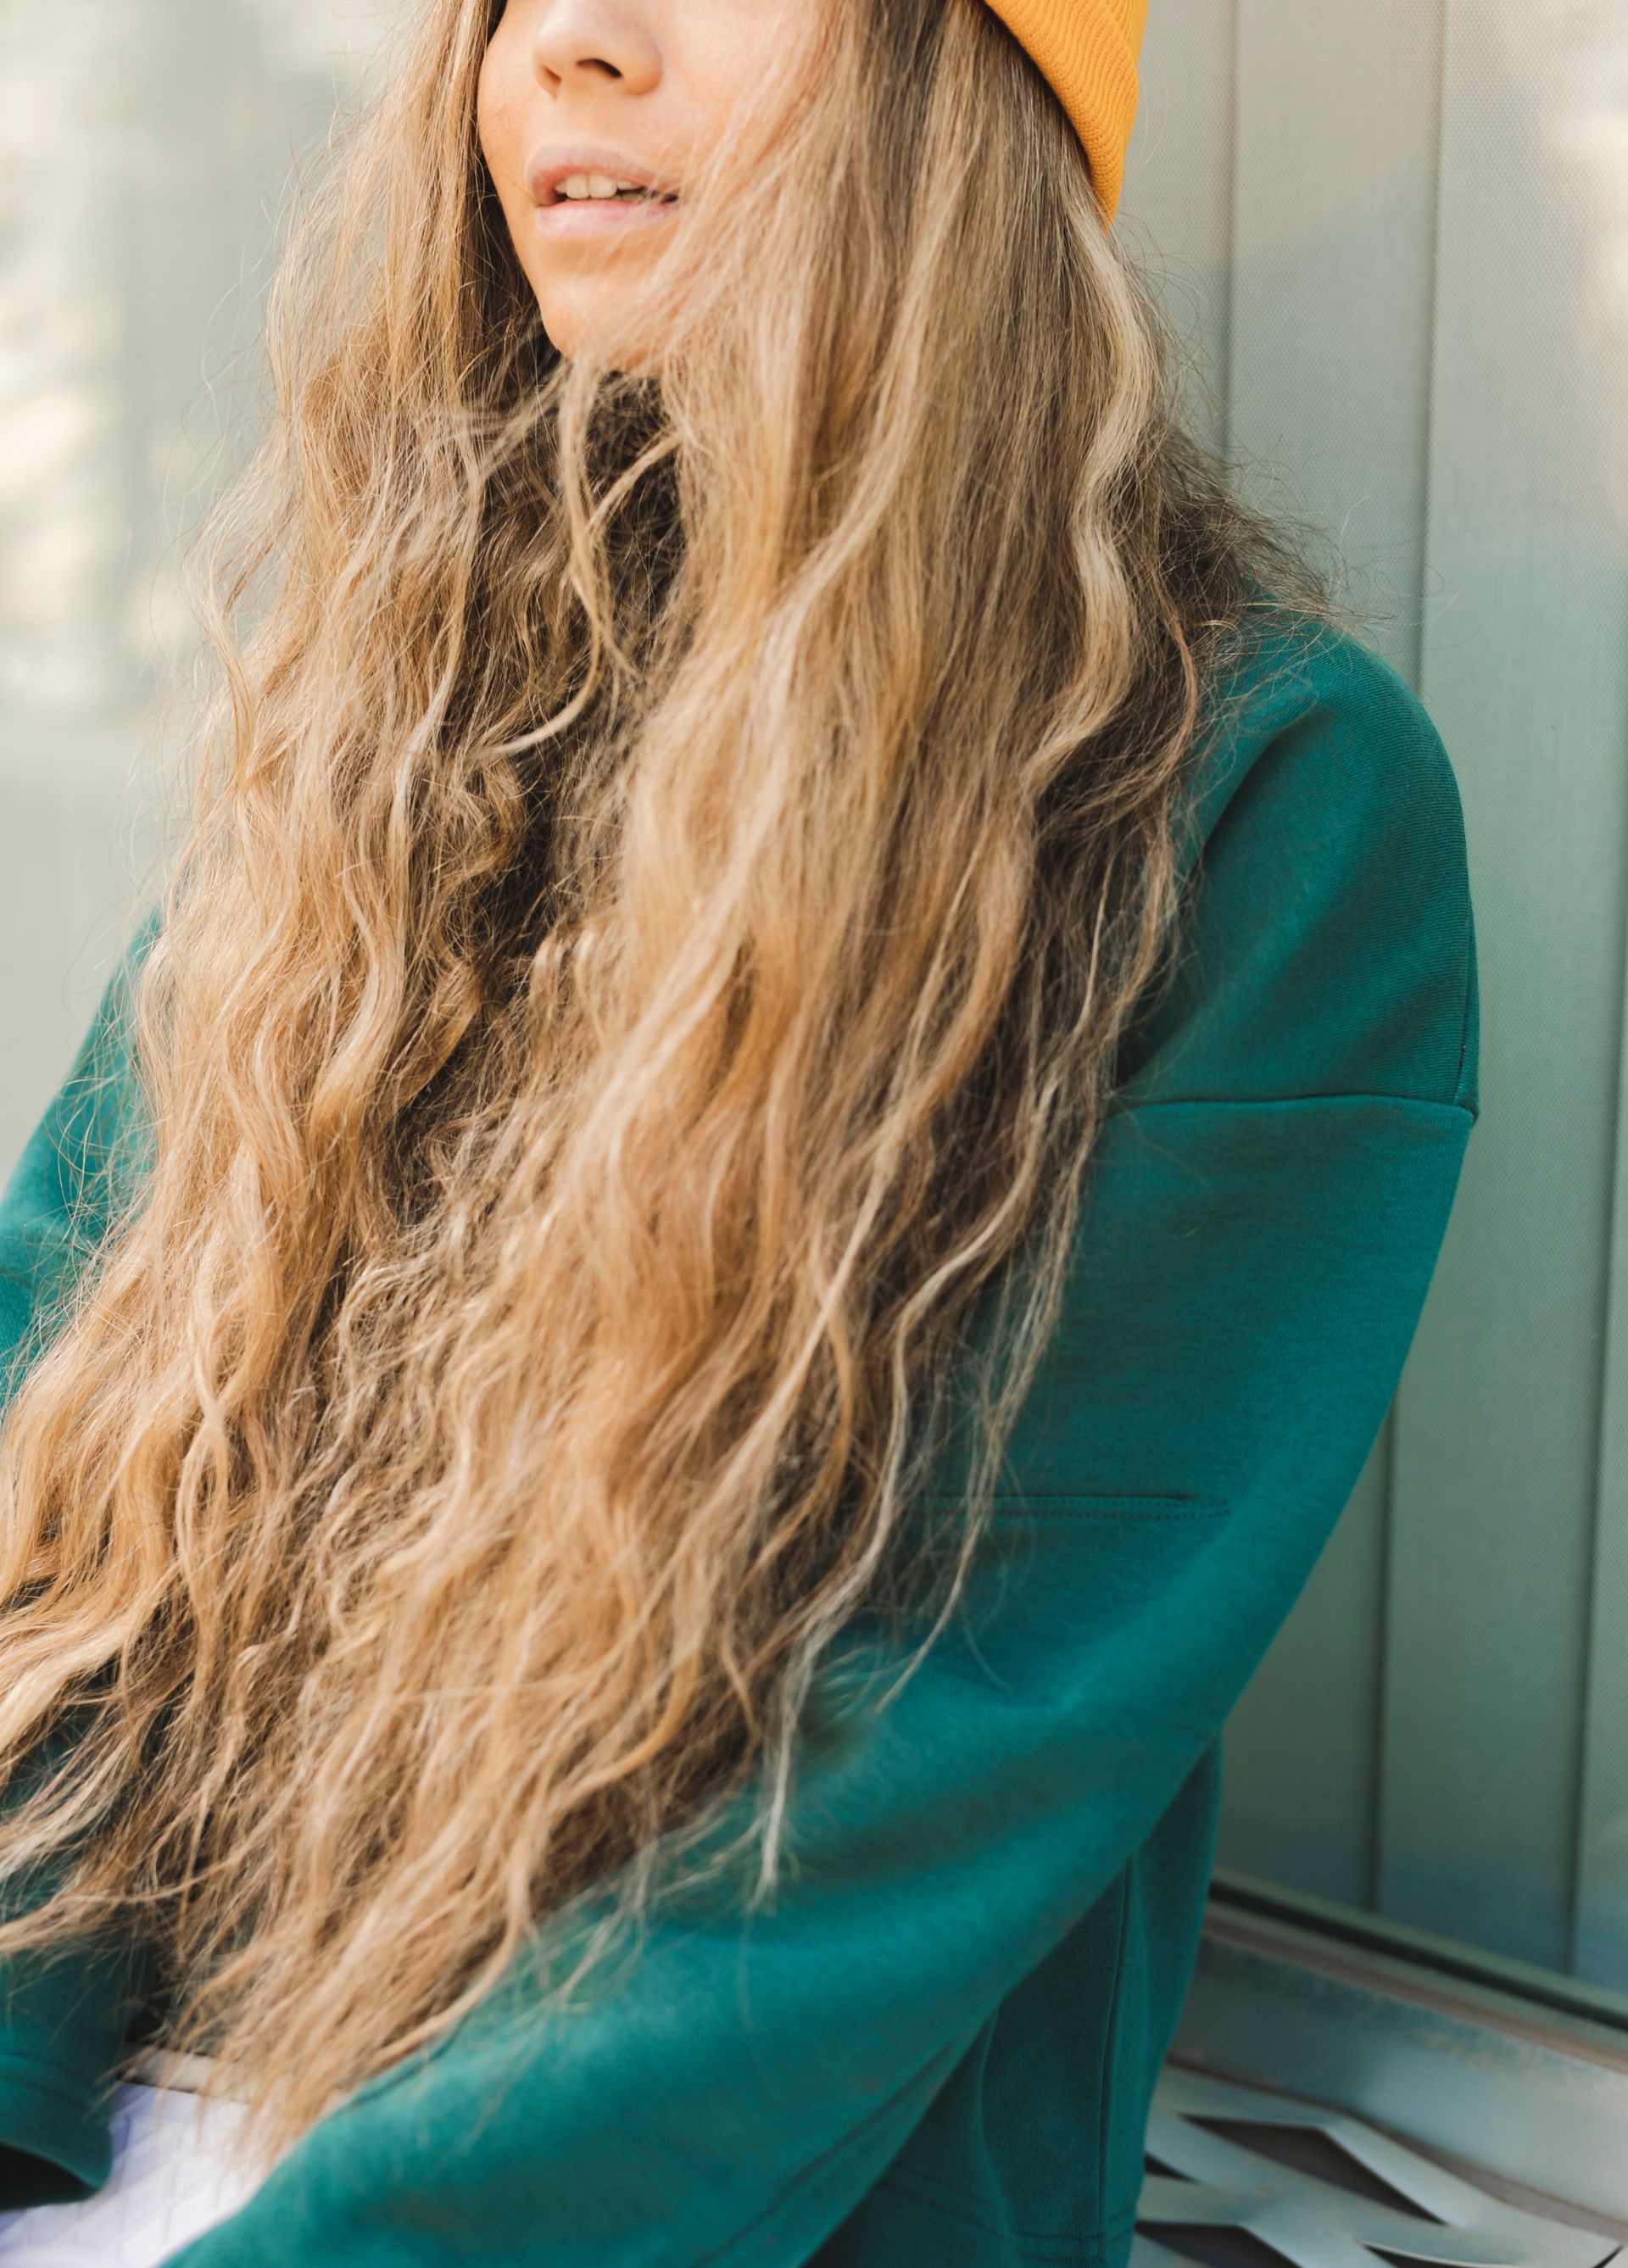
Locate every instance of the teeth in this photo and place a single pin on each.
(596, 185)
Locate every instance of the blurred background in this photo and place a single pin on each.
(146, 149)
(1394, 238)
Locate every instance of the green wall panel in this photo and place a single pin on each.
(1179, 203)
(1526, 670)
(1600, 1946)
(1423, 344)
(1335, 249)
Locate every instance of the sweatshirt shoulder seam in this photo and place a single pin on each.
(1455, 1104)
(41, 2074)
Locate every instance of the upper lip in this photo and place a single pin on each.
(550, 167)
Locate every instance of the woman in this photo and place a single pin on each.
(721, 1266)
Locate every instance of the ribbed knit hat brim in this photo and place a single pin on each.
(1088, 51)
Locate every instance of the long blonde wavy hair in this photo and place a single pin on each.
(674, 859)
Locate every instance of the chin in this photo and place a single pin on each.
(569, 325)
(562, 337)
(574, 332)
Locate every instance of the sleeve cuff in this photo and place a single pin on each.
(58, 2121)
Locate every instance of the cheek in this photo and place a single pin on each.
(734, 50)
(498, 118)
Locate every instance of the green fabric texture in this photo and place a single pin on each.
(935, 2049)
(63, 2018)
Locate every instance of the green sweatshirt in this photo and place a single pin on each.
(935, 2049)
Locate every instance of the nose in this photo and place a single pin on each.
(586, 43)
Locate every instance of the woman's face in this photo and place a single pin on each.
(592, 114)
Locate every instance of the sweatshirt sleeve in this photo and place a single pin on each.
(1261, 1228)
(61, 2019)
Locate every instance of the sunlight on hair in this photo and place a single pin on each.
(675, 858)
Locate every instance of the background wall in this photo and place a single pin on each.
(1398, 238)
(145, 146)
(1395, 237)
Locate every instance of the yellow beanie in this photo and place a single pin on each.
(1088, 50)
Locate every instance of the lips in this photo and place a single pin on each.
(550, 167)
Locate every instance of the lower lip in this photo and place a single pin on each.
(573, 217)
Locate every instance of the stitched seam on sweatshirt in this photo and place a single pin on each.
(1464, 1028)
(1055, 2248)
(1109, 2027)
(63, 2084)
(1286, 1103)
(839, 2149)
(933, 2187)
(963, 2203)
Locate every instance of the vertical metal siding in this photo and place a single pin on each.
(1426, 336)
